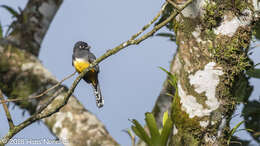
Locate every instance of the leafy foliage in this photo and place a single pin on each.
(172, 78)
(167, 126)
(131, 135)
(155, 137)
(12, 11)
(242, 88)
(233, 130)
(15, 14)
(235, 141)
(256, 29)
(254, 72)
(251, 113)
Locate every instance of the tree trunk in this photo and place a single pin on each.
(213, 37)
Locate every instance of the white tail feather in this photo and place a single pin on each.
(99, 98)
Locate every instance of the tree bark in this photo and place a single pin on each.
(213, 37)
(22, 76)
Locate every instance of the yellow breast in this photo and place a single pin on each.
(80, 65)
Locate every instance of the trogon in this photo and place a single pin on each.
(81, 59)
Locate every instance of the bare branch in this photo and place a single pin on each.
(7, 113)
(173, 4)
(150, 23)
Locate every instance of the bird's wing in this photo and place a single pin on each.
(92, 58)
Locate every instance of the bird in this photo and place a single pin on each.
(81, 59)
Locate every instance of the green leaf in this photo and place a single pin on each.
(236, 141)
(173, 78)
(165, 34)
(11, 11)
(1, 31)
(251, 114)
(256, 29)
(242, 89)
(163, 69)
(167, 128)
(165, 117)
(131, 135)
(257, 64)
(168, 35)
(128, 132)
(234, 130)
(255, 73)
(154, 131)
(139, 131)
(246, 129)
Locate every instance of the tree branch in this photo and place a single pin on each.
(7, 113)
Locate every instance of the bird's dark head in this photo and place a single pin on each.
(80, 45)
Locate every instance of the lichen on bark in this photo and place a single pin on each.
(209, 54)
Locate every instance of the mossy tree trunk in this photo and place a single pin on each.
(213, 37)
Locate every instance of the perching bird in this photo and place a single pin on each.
(81, 59)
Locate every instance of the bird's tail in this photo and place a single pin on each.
(97, 92)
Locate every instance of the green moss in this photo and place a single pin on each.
(188, 128)
(213, 15)
(4, 65)
(236, 6)
(25, 88)
(186, 25)
(3, 70)
(208, 34)
(231, 54)
(228, 52)
(184, 139)
(215, 9)
(183, 117)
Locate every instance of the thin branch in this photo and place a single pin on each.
(7, 113)
(40, 95)
(159, 26)
(174, 5)
(150, 23)
(61, 103)
(41, 106)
